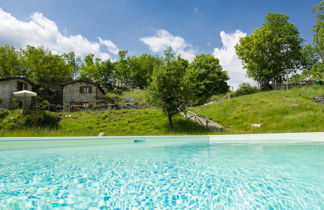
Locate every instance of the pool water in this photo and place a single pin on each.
(167, 175)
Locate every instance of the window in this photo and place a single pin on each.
(85, 89)
(22, 86)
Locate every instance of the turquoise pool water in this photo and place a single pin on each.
(168, 175)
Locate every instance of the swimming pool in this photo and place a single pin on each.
(164, 173)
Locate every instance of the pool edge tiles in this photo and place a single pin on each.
(23, 143)
(309, 137)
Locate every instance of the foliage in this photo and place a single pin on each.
(141, 69)
(271, 52)
(97, 70)
(245, 89)
(10, 62)
(39, 119)
(47, 71)
(113, 98)
(205, 77)
(277, 111)
(318, 29)
(29, 119)
(167, 90)
(136, 96)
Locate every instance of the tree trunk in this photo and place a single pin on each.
(169, 121)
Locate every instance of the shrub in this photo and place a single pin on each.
(245, 89)
(38, 119)
(113, 98)
(3, 114)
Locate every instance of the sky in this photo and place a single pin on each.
(190, 27)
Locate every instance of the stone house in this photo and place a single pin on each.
(10, 85)
(82, 94)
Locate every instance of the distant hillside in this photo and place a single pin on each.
(277, 111)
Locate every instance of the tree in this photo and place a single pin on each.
(318, 29)
(245, 89)
(167, 89)
(318, 41)
(10, 62)
(97, 70)
(74, 63)
(141, 69)
(46, 70)
(122, 68)
(271, 52)
(205, 77)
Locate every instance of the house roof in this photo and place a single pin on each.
(85, 81)
(15, 78)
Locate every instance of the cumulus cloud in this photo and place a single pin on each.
(40, 31)
(229, 60)
(163, 39)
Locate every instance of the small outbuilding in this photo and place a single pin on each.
(83, 94)
(10, 85)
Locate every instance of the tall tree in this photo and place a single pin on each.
(318, 41)
(122, 72)
(47, 71)
(10, 62)
(271, 52)
(97, 70)
(74, 63)
(167, 89)
(205, 77)
(141, 69)
(318, 29)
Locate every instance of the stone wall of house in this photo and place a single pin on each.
(7, 88)
(71, 93)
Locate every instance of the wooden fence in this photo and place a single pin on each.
(293, 85)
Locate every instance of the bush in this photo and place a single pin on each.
(38, 119)
(3, 114)
(113, 98)
(245, 89)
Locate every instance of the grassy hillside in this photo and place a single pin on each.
(277, 111)
(113, 123)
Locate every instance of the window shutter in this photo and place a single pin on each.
(81, 90)
(90, 89)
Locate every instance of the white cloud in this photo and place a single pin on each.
(229, 60)
(110, 46)
(40, 31)
(163, 39)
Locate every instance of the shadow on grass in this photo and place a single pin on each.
(188, 126)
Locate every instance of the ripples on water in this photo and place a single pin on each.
(191, 175)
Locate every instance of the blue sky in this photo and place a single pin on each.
(146, 26)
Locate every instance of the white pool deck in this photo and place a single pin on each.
(249, 138)
(272, 137)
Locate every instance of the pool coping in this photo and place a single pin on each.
(268, 137)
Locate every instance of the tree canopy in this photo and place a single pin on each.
(205, 77)
(271, 52)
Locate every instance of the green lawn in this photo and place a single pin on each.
(277, 111)
(113, 123)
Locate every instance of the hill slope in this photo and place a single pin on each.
(113, 123)
(277, 111)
